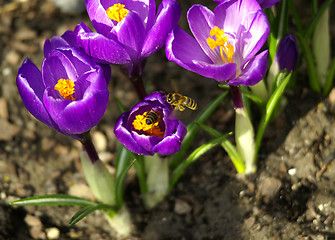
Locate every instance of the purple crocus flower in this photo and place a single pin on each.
(128, 31)
(263, 3)
(150, 128)
(287, 53)
(225, 42)
(70, 92)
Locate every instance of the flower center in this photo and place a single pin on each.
(65, 88)
(148, 122)
(226, 49)
(117, 12)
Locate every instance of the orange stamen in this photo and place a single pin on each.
(117, 12)
(222, 42)
(65, 88)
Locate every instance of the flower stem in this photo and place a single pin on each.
(237, 96)
(139, 87)
(88, 146)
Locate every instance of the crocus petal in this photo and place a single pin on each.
(220, 73)
(252, 35)
(145, 141)
(183, 49)
(125, 136)
(52, 44)
(230, 14)
(200, 20)
(65, 69)
(267, 3)
(99, 18)
(253, 72)
(167, 18)
(131, 33)
(100, 47)
(31, 88)
(171, 144)
(78, 116)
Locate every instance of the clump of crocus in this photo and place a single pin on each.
(225, 42)
(150, 127)
(127, 31)
(70, 92)
(224, 47)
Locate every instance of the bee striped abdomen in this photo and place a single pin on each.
(151, 118)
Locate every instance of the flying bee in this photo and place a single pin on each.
(180, 101)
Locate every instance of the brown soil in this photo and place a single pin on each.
(290, 197)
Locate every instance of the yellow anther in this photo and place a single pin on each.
(221, 41)
(117, 12)
(65, 88)
(153, 129)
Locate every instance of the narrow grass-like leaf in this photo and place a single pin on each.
(119, 105)
(256, 99)
(89, 209)
(193, 157)
(54, 200)
(122, 159)
(330, 78)
(296, 17)
(311, 26)
(270, 107)
(193, 128)
(311, 68)
(228, 147)
(119, 185)
(140, 170)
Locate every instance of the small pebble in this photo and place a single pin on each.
(80, 190)
(269, 187)
(52, 233)
(7, 130)
(292, 171)
(100, 141)
(182, 207)
(3, 108)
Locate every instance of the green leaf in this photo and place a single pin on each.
(193, 157)
(140, 170)
(270, 107)
(311, 68)
(193, 128)
(89, 209)
(123, 157)
(330, 78)
(256, 99)
(296, 17)
(119, 185)
(53, 200)
(311, 26)
(228, 147)
(119, 105)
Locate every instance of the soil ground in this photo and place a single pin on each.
(290, 197)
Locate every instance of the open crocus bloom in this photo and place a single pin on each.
(225, 42)
(150, 128)
(70, 92)
(128, 31)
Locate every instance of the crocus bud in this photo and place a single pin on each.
(287, 53)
